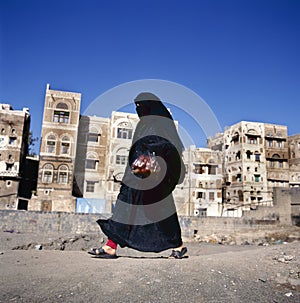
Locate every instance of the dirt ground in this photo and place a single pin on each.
(56, 268)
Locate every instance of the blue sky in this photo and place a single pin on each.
(241, 57)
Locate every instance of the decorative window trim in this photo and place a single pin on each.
(51, 140)
(123, 131)
(63, 174)
(65, 145)
(47, 173)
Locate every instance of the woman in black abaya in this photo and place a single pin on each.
(145, 217)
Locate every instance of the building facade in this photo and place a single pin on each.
(14, 134)
(203, 182)
(90, 165)
(121, 130)
(294, 160)
(83, 159)
(57, 152)
(255, 160)
(277, 157)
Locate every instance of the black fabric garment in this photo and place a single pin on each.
(145, 216)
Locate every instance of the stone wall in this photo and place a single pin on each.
(70, 223)
(48, 222)
(295, 205)
(280, 211)
(285, 212)
(192, 226)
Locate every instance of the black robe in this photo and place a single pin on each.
(145, 216)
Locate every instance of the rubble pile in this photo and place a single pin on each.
(259, 238)
(78, 242)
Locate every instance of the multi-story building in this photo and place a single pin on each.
(57, 152)
(294, 160)
(83, 159)
(276, 152)
(121, 130)
(294, 173)
(28, 182)
(14, 133)
(90, 165)
(203, 182)
(244, 167)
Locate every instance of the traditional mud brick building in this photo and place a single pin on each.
(202, 184)
(14, 133)
(255, 160)
(90, 165)
(82, 157)
(57, 152)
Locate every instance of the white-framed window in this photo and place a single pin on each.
(9, 166)
(65, 145)
(47, 174)
(121, 159)
(200, 195)
(50, 144)
(90, 186)
(94, 135)
(121, 156)
(124, 132)
(91, 163)
(63, 174)
(61, 113)
(251, 140)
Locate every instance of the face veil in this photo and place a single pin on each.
(155, 116)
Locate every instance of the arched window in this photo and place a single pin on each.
(275, 157)
(235, 138)
(50, 144)
(121, 156)
(248, 154)
(124, 131)
(63, 174)
(61, 113)
(257, 156)
(62, 105)
(65, 145)
(94, 135)
(47, 174)
(91, 161)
